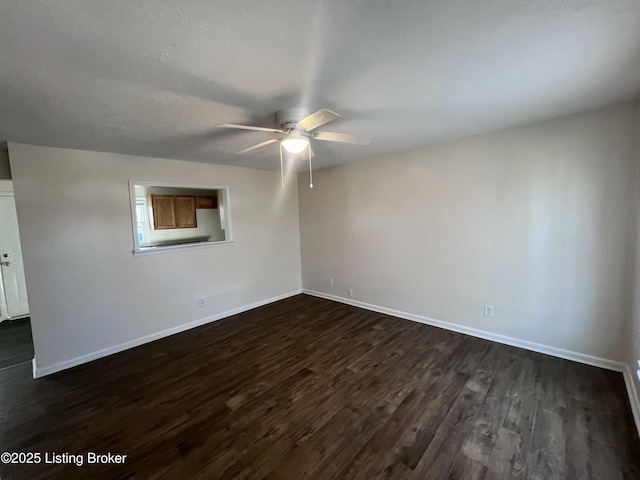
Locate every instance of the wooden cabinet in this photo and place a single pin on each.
(185, 208)
(164, 215)
(173, 211)
(206, 202)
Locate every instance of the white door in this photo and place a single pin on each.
(13, 288)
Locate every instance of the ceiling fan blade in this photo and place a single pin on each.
(249, 127)
(317, 119)
(259, 145)
(343, 137)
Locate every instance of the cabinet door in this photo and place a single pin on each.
(206, 202)
(163, 213)
(185, 212)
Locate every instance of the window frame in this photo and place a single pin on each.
(139, 250)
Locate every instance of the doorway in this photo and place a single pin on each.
(16, 344)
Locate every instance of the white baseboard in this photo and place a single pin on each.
(634, 399)
(41, 371)
(495, 337)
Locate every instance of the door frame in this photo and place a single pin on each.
(6, 190)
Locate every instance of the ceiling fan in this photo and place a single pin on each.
(297, 130)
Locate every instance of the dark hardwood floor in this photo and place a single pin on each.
(307, 388)
(16, 345)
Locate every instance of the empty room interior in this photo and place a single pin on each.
(320, 239)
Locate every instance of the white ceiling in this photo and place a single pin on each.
(152, 78)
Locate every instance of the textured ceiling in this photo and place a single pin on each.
(153, 77)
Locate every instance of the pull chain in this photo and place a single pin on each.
(310, 170)
(281, 167)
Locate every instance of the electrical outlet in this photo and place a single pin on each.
(201, 302)
(330, 280)
(350, 292)
(488, 310)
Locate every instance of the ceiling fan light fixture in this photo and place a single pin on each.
(295, 144)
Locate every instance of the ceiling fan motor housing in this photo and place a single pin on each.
(289, 118)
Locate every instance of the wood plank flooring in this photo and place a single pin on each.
(308, 388)
(16, 345)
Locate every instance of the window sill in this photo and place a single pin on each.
(177, 248)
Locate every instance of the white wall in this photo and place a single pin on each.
(87, 292)
(535, 220)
